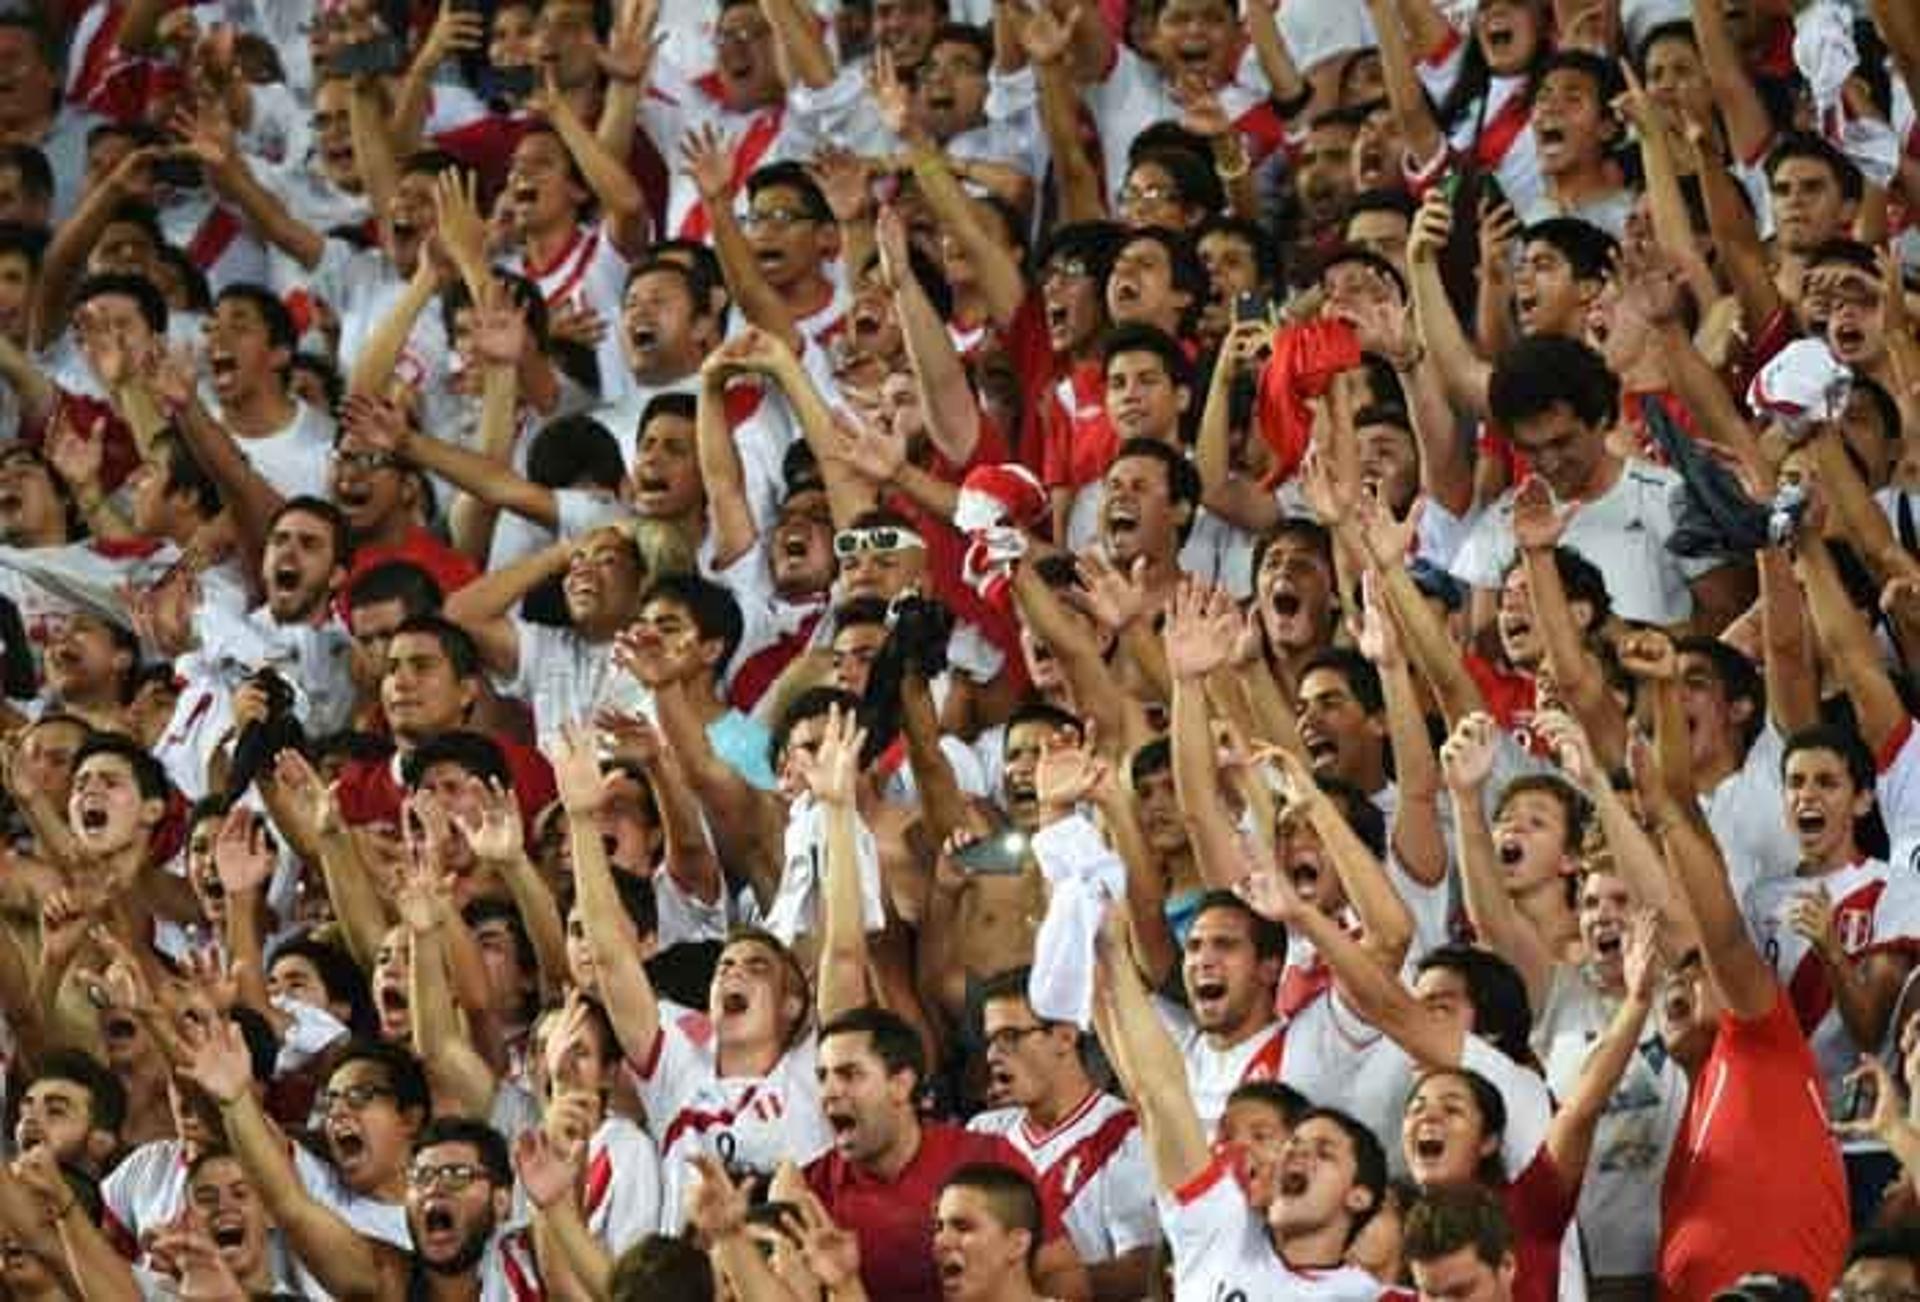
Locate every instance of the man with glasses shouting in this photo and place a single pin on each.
(345, 1215)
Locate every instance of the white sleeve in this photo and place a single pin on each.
(307, 1036)
(631, 1208)
(1128, 1211)
(1898, 785)
(579, 511)
(1529, 1106)
(1487, 550)
(1208, 1218)
(676, 1068)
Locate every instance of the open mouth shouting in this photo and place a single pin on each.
(1809, 823)
(440, 1236)
(1511, 852)
(1209, 999)
(225, 369)
(348, 1144)
(1608, 942)
(229, 1231)
(1429, 1150)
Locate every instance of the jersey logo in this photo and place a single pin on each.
(1855, 929)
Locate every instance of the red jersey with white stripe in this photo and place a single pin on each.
(1212, 1073)
(1870, 912)
(748, 1122)
(1095, 1163)
(1223, 1251)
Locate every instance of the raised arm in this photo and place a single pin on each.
(1467, 760)
(707, 157)
(209, 138)
(1405, 95)
(952, 412)
(833, 774)
(1749, 126)
(729, 517)
(623, 207)
(749, 826)
(1577, 678)
(1417, 840)
(459, 1073)
(498, 841)
(1147, 1062)
(1198, 640)
(995, 267)
(1049, 45)
(1116, 716)
(305, 810)
(345, 1262)
(1848, 643)
(1233, 497)
(1570, 1134)
(485, 606)
(1386, 926)
(1463, 372)
(624, 988)
(687, 855)
(455, 31)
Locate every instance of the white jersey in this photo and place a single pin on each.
(1619, 1210)
(1624, 531)
(591, 272)
(622, 1203)
(1897, 788)
(297, 458)
(1747, 815)
(145, 1191)
(748, 1122)
(1872, 909)
(1338, 1060)
(1095, 1162)
(1213, 1074)
(383, 1222)
(1223, 1251)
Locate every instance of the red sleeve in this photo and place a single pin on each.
(368, 794)
(533, 784)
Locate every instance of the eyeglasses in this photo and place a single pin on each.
(357, 1098)
(777, 218)
(742, 35)
(1009, 1038)
(1148, 193)
(364, 460)
(451, 1176)
(879, 538)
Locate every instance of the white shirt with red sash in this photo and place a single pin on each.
(588, 270)
(622, 1202)
(674, 105)
(1095, 1161)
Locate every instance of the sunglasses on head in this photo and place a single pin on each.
(878, 538)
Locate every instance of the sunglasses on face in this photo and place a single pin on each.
(880, 538)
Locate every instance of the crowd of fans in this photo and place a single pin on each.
(747, 649)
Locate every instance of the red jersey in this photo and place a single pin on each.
(894, 1218)
(1727, 1210)
(1079, 440)
(1509, 693)
(1539, 1206)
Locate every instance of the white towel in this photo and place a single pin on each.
(1085, 876)
(796, 905)
(1824, 49)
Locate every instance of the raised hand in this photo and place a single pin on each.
(1499, 230)
(1116, 599)
(1046, 38)
(891, 95)
(706, 156)
(218, 1062)
(65, 916)
(494, 834)
(1330, 497)
(1884, 1118)
(1247, 344)
(1650, 281)
(243, 854)
(305, 798)
(1466, 758)
(499, 334)
(1269, 892)
(633, 44)
(1644, 963)
(375, 424)
(1200, 631)
(832, 772)
(1572, 750)
(716, 1206)
(1378, 637)
(575, 756)
(1200, 109)
(873, 448)
(462, 230)
(454, 31)
(832, 1251)
(77, 455)
(1432, 229)
(1649, 654)
(1538, 520)
(846, 181)
(1067, 774)
(549, 1171)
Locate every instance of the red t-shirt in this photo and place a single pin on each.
(1755, 1181)
(370, 791)
(451, 569)
(894, 1218)
(1079, 441)
(1539, 1207)
(1509, 693)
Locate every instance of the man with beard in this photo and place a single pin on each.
(459, 1196)
(344, 1217)
(73, 1108)
(294, 634)
(1078, 1138)
(882, 1176)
